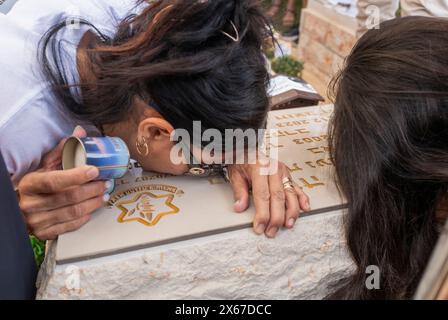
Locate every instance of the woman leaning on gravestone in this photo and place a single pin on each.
(134, 70)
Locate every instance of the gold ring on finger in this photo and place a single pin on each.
(287, 183)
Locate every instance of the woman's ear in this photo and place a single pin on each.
(154, 128)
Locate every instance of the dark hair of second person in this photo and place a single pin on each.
(389, 144)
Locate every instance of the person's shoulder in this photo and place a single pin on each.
(18, 82)
(38, 16)
(29, 132)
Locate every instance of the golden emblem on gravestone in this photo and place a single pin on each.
(146, 208)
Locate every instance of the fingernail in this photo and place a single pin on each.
(237, 205)
(77, 130)
(93, 172)
(259, 229)
(291, 223)
(106, 197)
(108, 184)
(272, 232)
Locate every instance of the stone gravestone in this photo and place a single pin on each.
(164, 237)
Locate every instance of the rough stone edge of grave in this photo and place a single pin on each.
(239, 266)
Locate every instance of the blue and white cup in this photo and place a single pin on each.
(109, 154)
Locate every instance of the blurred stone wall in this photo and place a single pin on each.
(326, 38)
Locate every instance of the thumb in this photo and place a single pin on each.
(52, 160)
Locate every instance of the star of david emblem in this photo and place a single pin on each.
(142, 208)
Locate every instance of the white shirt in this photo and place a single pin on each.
(31, 123)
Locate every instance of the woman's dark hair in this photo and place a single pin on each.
(389, 143)
(173, 55)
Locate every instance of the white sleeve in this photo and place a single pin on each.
(32, 133)
(37, 16)
(30, 124)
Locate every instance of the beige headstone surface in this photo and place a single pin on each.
(302, 144)
(146, 212)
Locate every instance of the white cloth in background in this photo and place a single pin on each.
(433, 8)
(344, 7)
(388, 9)
(31, 122)
(6, 5)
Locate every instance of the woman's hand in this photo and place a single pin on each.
(275, 205)
(54, 202)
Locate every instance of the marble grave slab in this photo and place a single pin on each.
(151, 210)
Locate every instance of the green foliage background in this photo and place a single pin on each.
(288, 66)
(38, 249)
